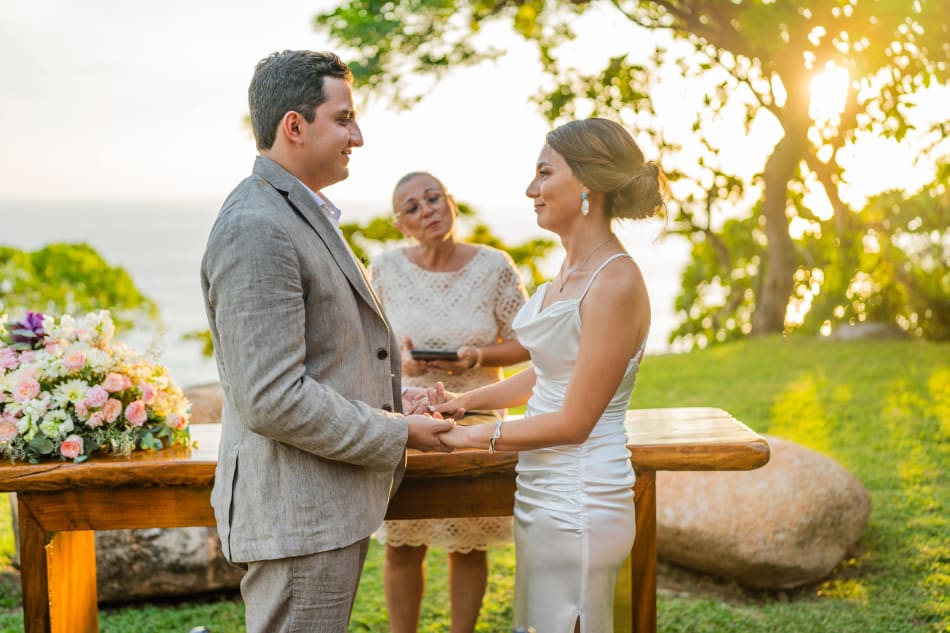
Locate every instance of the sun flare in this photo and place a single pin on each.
(829, 91)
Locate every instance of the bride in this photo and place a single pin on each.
(586, 331)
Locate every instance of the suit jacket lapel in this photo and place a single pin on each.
(302, 201)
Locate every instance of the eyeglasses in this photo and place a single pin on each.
(431, 199)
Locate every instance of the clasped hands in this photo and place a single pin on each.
(429, 430)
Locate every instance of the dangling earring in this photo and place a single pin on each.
(585, 205)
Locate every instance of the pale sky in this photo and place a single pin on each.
(109, 99)
(124, 100)
(112, 101)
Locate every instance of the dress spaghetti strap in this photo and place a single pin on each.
(597, 272)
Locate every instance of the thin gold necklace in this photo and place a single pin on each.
(576, 268)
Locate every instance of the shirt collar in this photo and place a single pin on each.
(329, 209)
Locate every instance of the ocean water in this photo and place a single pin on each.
(161, 243)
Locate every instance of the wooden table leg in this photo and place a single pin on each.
(71, 565)
(33, 572)
(58, 575)
(643, 556)
(635, 594)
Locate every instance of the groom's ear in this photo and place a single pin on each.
(291, 127)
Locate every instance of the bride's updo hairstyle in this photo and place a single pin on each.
(603, 155)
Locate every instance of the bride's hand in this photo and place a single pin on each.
(449, 404)
(457, 437)
(417, 399)
(444, 402)
(453, 408)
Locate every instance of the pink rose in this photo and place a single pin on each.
(148, 392)
(96, 397)
(135, 413)
(82, 408)
(27, 357)
(116, 382)
(8, 359)
(26, 388)
(74, 360)
(95, 420)
(175, 421)
(111, 410)
(8, 428)
(71, 448)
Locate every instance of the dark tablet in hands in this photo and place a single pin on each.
(433, 354)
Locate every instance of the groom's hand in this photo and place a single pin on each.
(425, 433)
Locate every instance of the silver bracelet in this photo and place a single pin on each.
(495, 436)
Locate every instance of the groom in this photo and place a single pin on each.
(311, 434)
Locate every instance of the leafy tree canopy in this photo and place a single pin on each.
(761, 57)
(68, 279)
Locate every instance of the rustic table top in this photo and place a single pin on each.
(659, 439)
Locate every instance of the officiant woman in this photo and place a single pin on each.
(444, 294)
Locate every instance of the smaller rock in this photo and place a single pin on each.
(866, 331)
(205, 402)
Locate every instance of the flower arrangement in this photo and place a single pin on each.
(68, 390)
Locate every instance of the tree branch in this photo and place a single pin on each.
(829, 179)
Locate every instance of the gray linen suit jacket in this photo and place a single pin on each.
(310, 369)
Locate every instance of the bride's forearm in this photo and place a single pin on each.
(512, 392)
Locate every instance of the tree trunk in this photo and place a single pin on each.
(780, 260)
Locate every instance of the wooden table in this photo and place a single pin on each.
(62, 504)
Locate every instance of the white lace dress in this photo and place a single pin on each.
(474, 305)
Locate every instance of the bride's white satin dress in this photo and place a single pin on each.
(574, 513)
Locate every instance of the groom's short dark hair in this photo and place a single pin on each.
(289, 81)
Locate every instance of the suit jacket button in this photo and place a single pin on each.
(382, 354)
(387, 407)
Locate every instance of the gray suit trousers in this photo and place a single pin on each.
(303, 594)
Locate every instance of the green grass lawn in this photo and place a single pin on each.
(881, 409)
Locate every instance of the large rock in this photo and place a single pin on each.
(784, 525)
(205, 403)
(152, 563)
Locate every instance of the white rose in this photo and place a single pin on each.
(53, 424)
